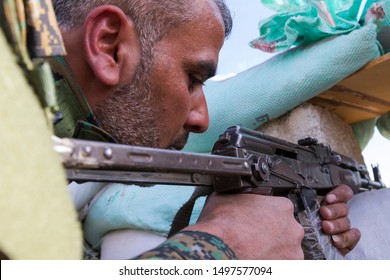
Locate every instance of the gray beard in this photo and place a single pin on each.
(127, 115)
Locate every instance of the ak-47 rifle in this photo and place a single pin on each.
(242, 160)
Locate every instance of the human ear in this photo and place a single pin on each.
(111, 45)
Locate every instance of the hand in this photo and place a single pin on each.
(253, 226)
(335, 222)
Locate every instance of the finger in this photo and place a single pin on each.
(334, 211)
(342, 193)
(336, 226)
(345, 242)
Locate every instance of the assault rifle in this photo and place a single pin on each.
(242, 160)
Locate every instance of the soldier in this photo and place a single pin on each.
(134, 75)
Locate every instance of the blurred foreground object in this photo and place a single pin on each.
(37, 217)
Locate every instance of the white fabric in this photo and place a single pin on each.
(127, 244)
(370, 213)
(83, 196)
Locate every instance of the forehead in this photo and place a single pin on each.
(198, 40)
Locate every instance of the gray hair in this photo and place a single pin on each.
(153, 18)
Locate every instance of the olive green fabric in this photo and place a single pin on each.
(78, 119)
(364, 131)
(383, 125)
(37, 217)
(31, 29)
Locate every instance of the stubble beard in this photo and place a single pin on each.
(179, 142)
(127, 115)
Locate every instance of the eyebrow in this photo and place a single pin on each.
(206, 69)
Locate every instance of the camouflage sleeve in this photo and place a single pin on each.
(190, 245)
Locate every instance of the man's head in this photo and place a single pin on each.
(141, 63)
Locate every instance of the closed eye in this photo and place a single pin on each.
(199, 72)
(194, 82)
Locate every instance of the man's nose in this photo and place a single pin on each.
(198, 119)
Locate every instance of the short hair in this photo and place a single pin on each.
(153, 18)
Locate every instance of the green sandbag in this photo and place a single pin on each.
(283, 82)
(307, 21)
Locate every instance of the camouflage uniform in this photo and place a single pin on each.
(190, 245)
(37, 218)
(79, 122)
